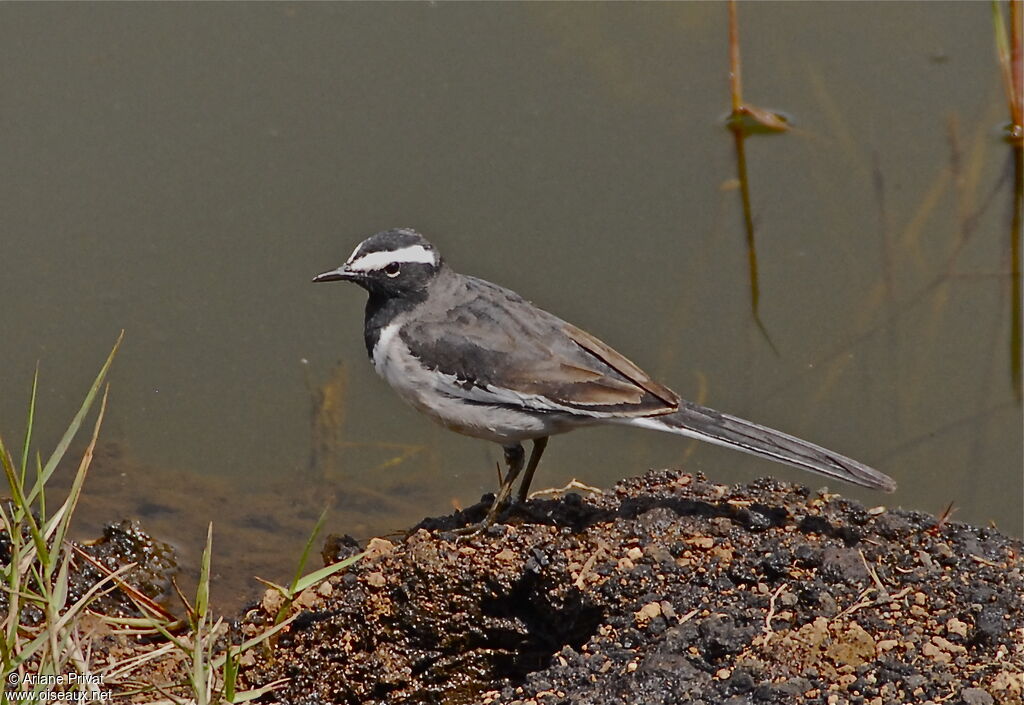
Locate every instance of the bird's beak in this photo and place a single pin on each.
(341, 274)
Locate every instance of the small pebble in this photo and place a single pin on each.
(377, 547)
(955, 626)
(648, 612)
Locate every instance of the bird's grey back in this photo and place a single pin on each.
(484, 334)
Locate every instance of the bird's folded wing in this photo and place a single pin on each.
(622, 365)
(495, 347)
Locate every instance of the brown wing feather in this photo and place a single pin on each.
(623, 366)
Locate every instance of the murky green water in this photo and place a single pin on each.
(181, 171)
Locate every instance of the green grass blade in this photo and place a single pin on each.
(166, 634)
(27, 651)
(76, 422)
(60, 585)
(305, 553)
(12, 584)
(230, 674)
(203, 591)
(20, 501)
(250, 695)
(71, 502)
(42, 495)
(317, 575)
(199, 676)
(255, 641)
(28, 425)
(272, 585)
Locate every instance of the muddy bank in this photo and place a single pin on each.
(667, 589)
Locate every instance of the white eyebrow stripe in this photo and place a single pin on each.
(379, 260)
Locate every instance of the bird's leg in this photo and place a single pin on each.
(514, 456)
(539, 444)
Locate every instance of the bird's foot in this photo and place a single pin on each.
(497, 507)
(470, 530)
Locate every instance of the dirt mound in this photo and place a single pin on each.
(669, 589)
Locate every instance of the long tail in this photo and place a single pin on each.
(713, 426)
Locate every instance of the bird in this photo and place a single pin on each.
(483, 361)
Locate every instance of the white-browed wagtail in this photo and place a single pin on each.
(481, 360)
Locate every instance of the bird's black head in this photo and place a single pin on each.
(392, 263)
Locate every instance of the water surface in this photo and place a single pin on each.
(181, 171)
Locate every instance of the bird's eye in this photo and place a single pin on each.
(392, 269)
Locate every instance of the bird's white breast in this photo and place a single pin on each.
(440, 397)
(384, 353)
